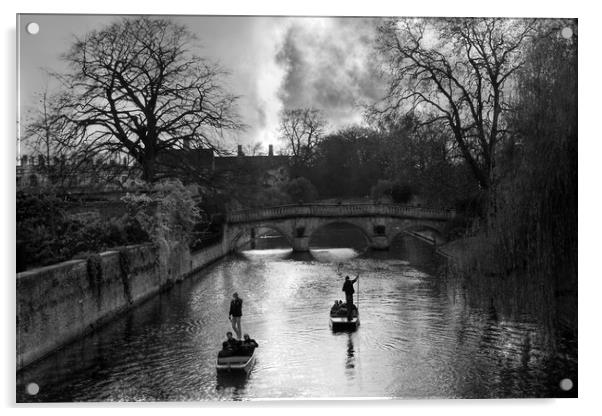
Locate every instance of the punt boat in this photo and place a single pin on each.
(237, 362)
(340, 321)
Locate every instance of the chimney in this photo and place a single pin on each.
(270, 150)
(186, 144)
(240, 153)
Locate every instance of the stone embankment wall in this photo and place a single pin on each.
(60, 303)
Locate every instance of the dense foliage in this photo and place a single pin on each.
(534, 221)
(165, 214)
(46, 234)
(168, 212)
(355, 163)
(300, 190)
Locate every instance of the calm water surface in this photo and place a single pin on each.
(418, 337)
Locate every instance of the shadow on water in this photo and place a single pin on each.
(337, 330)
(339, 236)
(350, 361)
(232, 382)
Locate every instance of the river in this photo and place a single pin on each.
(419, 337)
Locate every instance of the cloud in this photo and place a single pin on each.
(256, 76)
(293, 62)
(269, 76)
(330, 65)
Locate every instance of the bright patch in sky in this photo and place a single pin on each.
(273, 63)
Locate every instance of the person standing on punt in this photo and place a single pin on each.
(349, 291)
(235, 314)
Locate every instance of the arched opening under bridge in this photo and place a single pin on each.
(415, 244)
(262, 242)
(338, 241)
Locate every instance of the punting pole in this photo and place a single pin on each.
(358, 292)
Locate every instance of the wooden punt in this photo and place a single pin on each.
(235, 363)
(342, 322)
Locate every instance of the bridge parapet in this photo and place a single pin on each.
(339, 210)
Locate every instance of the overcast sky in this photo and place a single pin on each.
(274, 63)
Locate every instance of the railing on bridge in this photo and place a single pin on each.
(339, 210)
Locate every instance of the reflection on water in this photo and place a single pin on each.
(266, 255)
(349, 364)
(334, 254)
(231, 384)
(418, 337)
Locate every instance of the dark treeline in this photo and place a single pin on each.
(360, 162)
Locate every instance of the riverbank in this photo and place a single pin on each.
(468, 252)
(61, 303)
(548, 299)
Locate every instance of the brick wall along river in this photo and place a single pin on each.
(60, 303)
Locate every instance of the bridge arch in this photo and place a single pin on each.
(403, 227)
(242, 229)
(354, 223)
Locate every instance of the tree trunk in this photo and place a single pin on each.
(481, 174)
(148, 168)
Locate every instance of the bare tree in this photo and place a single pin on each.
(458, 71)
(302, 130)
(136, 87)
(46, 128)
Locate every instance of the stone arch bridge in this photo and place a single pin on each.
(380, 223)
